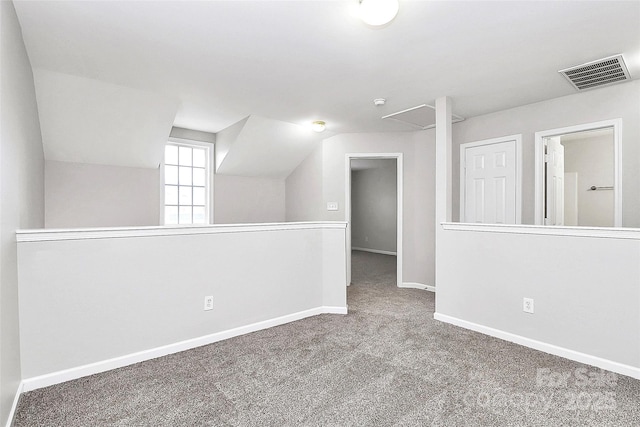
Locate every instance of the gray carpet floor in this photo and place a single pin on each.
(385, 363)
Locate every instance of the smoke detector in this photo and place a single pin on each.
(598, 73)
(378, 102)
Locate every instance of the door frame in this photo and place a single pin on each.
(399, 202)
(616, 124)
(463, 147)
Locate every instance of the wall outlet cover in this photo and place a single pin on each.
(208, 302)
(527, 305)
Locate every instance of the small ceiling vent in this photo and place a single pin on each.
(597, 73)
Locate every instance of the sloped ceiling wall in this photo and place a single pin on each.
(258, 146)
(89, 121)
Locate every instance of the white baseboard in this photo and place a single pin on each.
(334, 310)
(118, 362)
(12, 412)
(374, 251)
(414, 285)
(577, 356)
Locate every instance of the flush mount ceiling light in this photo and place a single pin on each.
(378, 12)
(318, 126)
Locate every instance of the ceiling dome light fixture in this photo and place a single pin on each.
(318, 126)
(378, 12)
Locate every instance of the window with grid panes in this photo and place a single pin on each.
(186, 184)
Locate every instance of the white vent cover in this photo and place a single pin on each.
(422, 116)
(597, 73)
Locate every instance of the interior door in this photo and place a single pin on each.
(489, 183)
(554, 174)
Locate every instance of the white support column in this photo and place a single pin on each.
(444, 180)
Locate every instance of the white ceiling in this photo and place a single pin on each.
(89, 121)
(298, 61)
(257, 146)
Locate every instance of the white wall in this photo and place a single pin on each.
(303, 187)
(419, 184)
(618, 101)
(225, 140)
(240, 199)
(112, 293)
(85, 195)
(374, 206)
(584, 282)
(585, 289)
(593, 161)
(21, 189)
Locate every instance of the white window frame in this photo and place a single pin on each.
(209, 168)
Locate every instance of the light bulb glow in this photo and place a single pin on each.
(318, 126)
(378, 12)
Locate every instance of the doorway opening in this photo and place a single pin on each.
(578, 176)
(374, 208)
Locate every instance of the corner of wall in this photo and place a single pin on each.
(21, 191)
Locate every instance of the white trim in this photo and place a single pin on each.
(118, 362)
(399, 196)
(616, 124)
(42, 235)
(333, 310)
(518, 140)
(577, 356)
(14, 406)
(373, 251)
(538, 181)
(414, 285)
(161, 191)
(599, 232)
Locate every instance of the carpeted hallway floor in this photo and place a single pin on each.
(385, 363)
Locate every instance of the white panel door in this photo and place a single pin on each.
(554, 160)
(490, 183)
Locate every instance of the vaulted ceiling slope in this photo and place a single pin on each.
(298, 61)
(257, 146)
(88, 121)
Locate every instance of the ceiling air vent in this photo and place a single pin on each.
(597, 73)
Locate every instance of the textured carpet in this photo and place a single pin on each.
(385, 363)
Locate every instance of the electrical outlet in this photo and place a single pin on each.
(332, 206)
(208, 302)
(527, 305)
